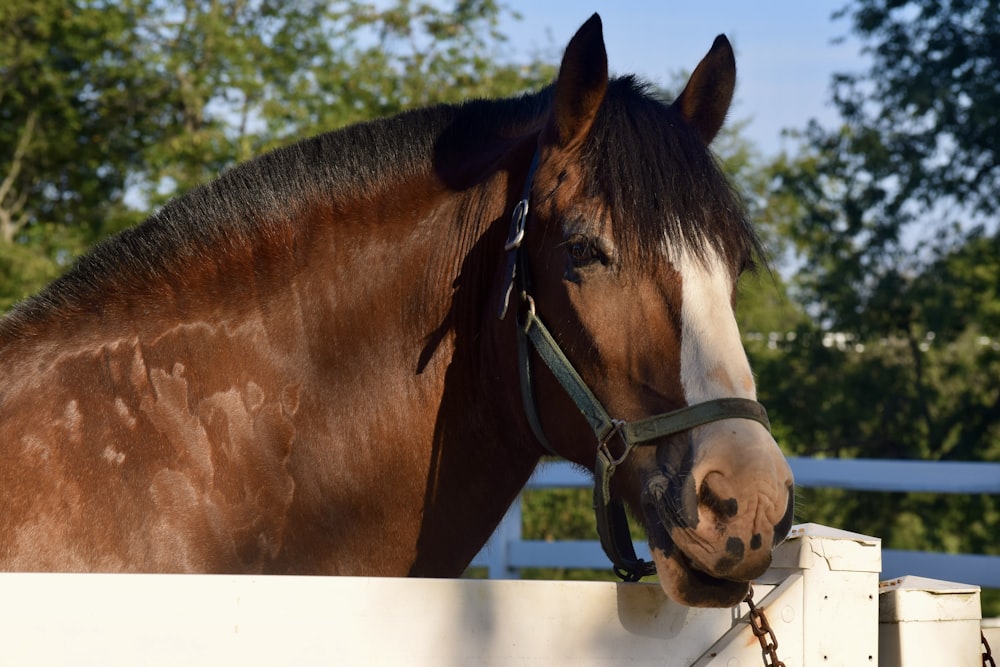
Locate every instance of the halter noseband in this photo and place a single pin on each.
(612, 523)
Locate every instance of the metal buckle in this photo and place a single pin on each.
(617, 428)
(517, 221)
(512, 247)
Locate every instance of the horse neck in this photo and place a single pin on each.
(441, 361)
(482, 453)
(372, 323)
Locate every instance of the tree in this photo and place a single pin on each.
(74, 109)
(252, 76)
(912, 168)
(936, 122)
(147, 98)
(855, 193)
(893, 219)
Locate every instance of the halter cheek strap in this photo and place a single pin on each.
(612, 523)
(609, 511)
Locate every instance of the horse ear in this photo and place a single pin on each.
(580, 88)
(705, 99)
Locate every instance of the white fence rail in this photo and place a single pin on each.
(507, 552)
(821, 594)
(820, 580)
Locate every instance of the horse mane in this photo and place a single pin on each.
(256, 203)
(629, 152)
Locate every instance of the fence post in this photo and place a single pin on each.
(507, 534)
(929, 622)
(820, 596)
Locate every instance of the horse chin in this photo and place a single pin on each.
(682, 578)
(687, 585)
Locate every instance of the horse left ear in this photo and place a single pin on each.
(705, 100)
(580, 88)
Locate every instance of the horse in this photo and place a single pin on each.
(348, 355)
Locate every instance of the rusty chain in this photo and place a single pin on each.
(762, 631)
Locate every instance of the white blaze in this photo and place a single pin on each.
(713, 361)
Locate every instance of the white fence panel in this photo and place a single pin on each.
(818, 577)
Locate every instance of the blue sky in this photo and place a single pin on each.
(785, 53)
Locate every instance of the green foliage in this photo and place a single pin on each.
(151, 97)
(911, 170)
(74, 110)
(930, 104)
(892, 219)
(252, 76)
(910, 375)
(900, 362)
(25, 268)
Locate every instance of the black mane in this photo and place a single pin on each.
(262, 197)
(641, 159)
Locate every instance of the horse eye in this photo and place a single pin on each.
(584, 251)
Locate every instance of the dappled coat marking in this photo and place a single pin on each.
(298, 368)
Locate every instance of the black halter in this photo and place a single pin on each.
(612, 524)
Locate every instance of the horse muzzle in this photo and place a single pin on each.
(712, 527)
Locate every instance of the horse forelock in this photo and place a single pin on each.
(662, 186)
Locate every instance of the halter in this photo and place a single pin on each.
(612, 523)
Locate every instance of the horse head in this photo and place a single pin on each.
(631, 257)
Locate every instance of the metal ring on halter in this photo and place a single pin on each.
(618, 429)
(530, 303)
(517, 226)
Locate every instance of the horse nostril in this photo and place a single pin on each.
(724, 508)
(734, 547)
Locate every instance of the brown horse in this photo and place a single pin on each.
(299, 368)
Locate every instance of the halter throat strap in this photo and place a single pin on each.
(612, 522)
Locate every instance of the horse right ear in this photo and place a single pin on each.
(705, 100)
(580, 88)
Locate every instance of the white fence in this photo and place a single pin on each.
(507, 552)
(821, 596)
